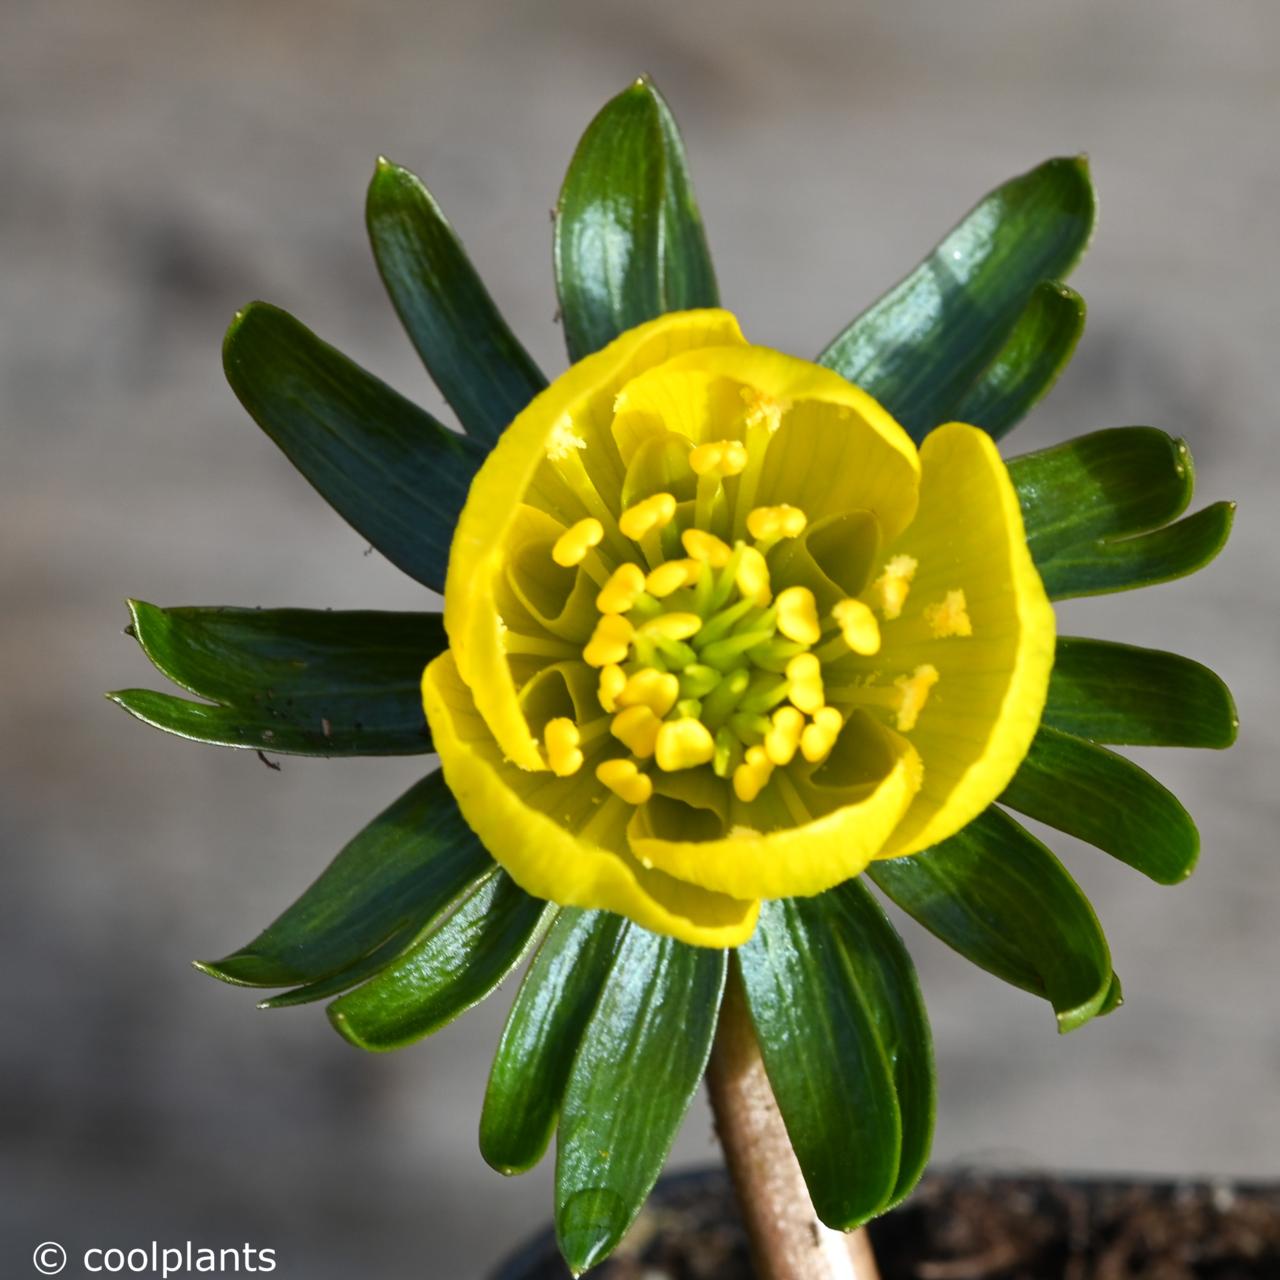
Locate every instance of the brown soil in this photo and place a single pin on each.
(975, 1227)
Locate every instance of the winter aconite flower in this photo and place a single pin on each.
(728, 638)
(719, 632)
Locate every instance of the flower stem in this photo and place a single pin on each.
(788, 1242)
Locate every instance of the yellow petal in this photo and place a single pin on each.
(836, 450)
(980, 718)
(579, 403)
(517, 817)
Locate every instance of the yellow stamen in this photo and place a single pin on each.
(648, 516)
(949, 617)
(684, 744)
(637, 729)
(804, 676)
(671, 576)
(891, 587)
(622, 590)
(624, 779)
(915, 693)
(720, 458)
(657, 690)
(610, 641)
(561, 738)
(768, 524)
(798, 615)
(752, 576)
(572, 545)
(706, 547)
(858, 626)
(563, 439)
(612, 682)
(819, 737)
(673, 626)
(752, 775)
(783, 738)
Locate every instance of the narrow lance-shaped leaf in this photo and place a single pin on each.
(543, 1031)
(845, 1042)
(922, 346)
(642, 1055)
(477, 362)
(629, 241)
(1097, 510)
(1043, 340)
(390, 469)
(1090, 792)
(298, 681)
(1109, 692)
(405, 869)
(996, 895)
(448, 972)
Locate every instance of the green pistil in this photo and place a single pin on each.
(697, 681)
(721, 702)
(724, 622)
(729, 652)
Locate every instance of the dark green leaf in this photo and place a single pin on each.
(298, 681)
(1028, 364)
(1090, 792)
(1140, 697)
(1097, 510)
(344, 979)
(448, 972)
(475, 359)
(404, 870)
(389, 468)
(629, 242)
(542, 1035)
(920, 348)
(1114, 997)
(845, 1042)
(997, 896)
(642, 1055)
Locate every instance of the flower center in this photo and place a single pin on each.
(705, 656)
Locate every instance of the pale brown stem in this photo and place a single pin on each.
(788, 1242)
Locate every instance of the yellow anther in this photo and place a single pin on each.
(949, 617)
(804, 682)
(763, 410)
(752, 576)
(637, 729)
(891, 587)
(719, 458)
(783, 738)
(673, 626)
(561, 738)
(612, 682)
(820, 736)
(563, 439)
(798, 615)
(752, 775)
(768, 524)
(572, 545)
(647, 516)
(858, 626)
(706, 547)
(622, 590)
(671, 576)
(624, 779)
(684, 744)
(915, 693)
(657, 690)
(610, 641)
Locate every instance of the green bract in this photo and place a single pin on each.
(413, 922)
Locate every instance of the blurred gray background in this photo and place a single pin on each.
(163, 162)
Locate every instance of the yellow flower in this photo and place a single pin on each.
(719, 632)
